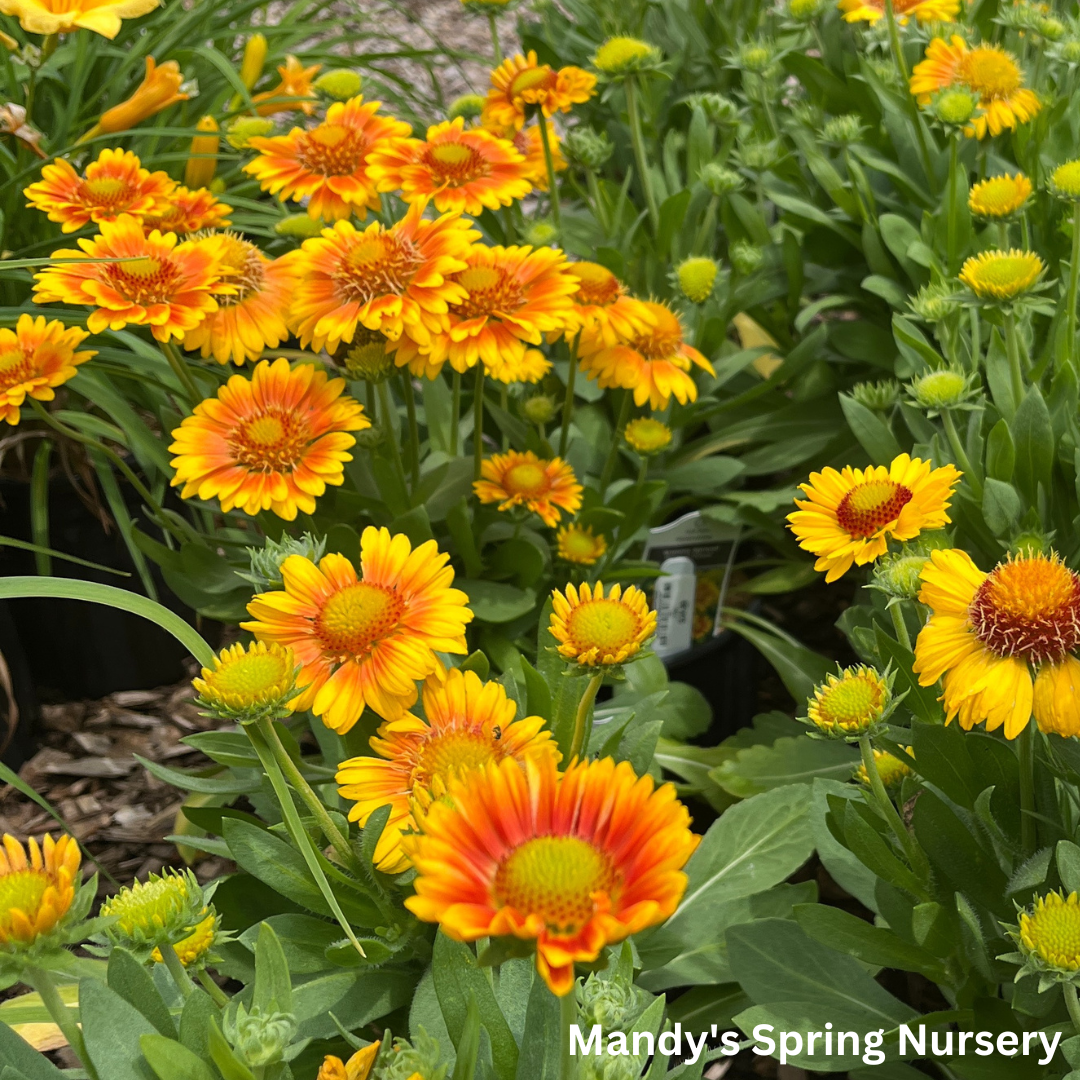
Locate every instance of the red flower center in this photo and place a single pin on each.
(332, 150)
(376, 264)
(107, 191)
(355, 618)
(143, 281)
(1028, 607)
(455, 163)
(871, 505)
(491, 291)
(15, 368)
(270, 441)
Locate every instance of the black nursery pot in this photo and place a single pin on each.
(726, 669)
(71, 649)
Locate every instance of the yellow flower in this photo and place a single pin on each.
(989, 632)
(520, 82)
(159, 89)
(37, 887)
(573, 861)
(924, 11)
(1000, 196)
(467, 724)
(202, 162)
(35, 357)
(340, 84)
(246, 682)
(988, 72)
(251, 66)
(647, 436)
(514, 479)
(849, 704)
(64, 16)
(1001, 275)
(891, 769)
(529, 368)
(358, 1067)
(367, 640)
(1065, 180)
(625, 55)
(849, 516)
(1051, 931)
(161, 910)
(196, 945)
(577, 544)
(597, 630)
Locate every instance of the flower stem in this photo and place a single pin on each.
(900, 627)
(496, 47)
(1025, 751)
(181, 371)
(567, 1017)
(950, 222)
(296, 780)
(395, 452)
(1074, 284)
(634, 116)
(478, 421)
(504, 404)
(176, 969)
(568, 403)
(549, 161)
(414, 431)
(580, 740)
(613, 452)
(455, 413)
(888, 810)
(219, 997)
(1072, 1003)
(960, 453)
(1012, 349)
(42, 982)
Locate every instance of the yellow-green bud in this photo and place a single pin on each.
(240, 132)
(843, 130)
(696, 278)
(469, 106)
(897, 575)
(1052, 29)
(625, 55)
(878, 396)
(264, 571)
(955, 107)
(368, 359)
(758, 156)
(934, 303)
(159, 911)
(745, 257)
(541, 233)
(944, 389)
(300, 226)
(805, 10)
(720, 180)
(1028, 544)
(340, 85)
(1065, 180)
(1070, 52)
(539, 409)
(716, 107)
(756, 56)
(259, 1040)
(583, 146)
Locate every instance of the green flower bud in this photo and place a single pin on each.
(934, 303)
(717, 108)
(470, 106)
(240, 132)
(159, 911)
(340, 85)
(946, 388)
(1028, 544)
(613, 1003)
(720, 180)
(541, 233)
(539, 409)
(590, 149)
(259, 1040)
(1052, 29)
(756, 56)
(1070, 52)
(879, 396)
(805, 10)
(265, 568)
(897, 575)
(745, 257)
(368, 359)
(409, 1059)
(758, 156)
(955, 107)
(300, 226)
(1065, 181)
(696, 278)
(625, 56)
(843, 130)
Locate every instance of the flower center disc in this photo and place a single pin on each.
(356, 617)
(662, 343)
(250, 675)
(850, 702)
(22, 891)
(106, 191)
(246, 270)
(606, 625)
(596, 284)
(580, 543)
(455, 163)
(532, 80)
(271, 441)
(490, 290)
(871, 505)
(990, 72)
(1054, 933)
(376, 265)
(15, 367)
(526, 479)
(331, 150)
(144, 281)
(453, 754)
(556, 878)
(1029, 607)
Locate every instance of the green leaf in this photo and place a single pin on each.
(229, 1065)
(1001, 506)
(496, 602)
(273, 988)
(171, 1060)
(133, 983)
(873, 433)
(705, 477)
(1068, 865)
(799, 668)
(1000, 452)
(843, 866)
(111, 1027)
(537, 692)
(468, 1046)
(787, 761)
(356, 998)
(1034, 437)
(19, 1054)
(541, 1045)
(195, 1019)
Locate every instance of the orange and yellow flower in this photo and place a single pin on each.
(367, 640)
(655, 363)
(251, 315)
(328, 164)
(578, 544)
(597, 630)
(390, 280)
(166, 285)
(989, 634)
(519, 82)
(35, 357)
(575, 862)
(271, 442)
(530, 368)
(114, 184)
(469, 723)
(515, 295)
(159, 89)
(922, 11)
(987, 71)
(37, 887)
(104, 17)
(514, 479)
(358, 1067)
(185, 211)
(603, 307)
(461, 171)
(850, 516)
(295, 90)
(530, 144)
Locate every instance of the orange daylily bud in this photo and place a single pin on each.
(159, 89)
(254, 58)
(202, 164)
(294, 91)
